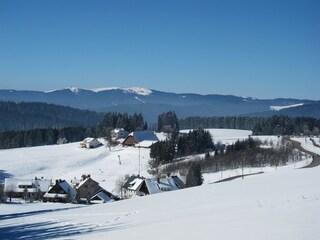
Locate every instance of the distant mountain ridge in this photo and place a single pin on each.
(151, 103)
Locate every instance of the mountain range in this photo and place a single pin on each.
(151, 103)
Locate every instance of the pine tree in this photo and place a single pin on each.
(194, 176)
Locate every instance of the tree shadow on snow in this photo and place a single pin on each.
(50, 230)
(32, 213)
(4, 175)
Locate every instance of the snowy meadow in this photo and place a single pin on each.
(282, 203)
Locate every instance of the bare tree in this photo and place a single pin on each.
(9, 191)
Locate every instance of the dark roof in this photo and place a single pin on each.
(129, 180)
(144, 136)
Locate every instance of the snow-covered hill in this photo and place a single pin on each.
(279, 205)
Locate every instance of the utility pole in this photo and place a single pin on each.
(139, 160)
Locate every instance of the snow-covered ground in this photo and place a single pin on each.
(278, 205)
(69, 161)
(282, 203)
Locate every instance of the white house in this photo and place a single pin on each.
(26, 188)
(90, 143)
(139, 186)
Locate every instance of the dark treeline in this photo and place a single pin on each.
(275, 125)
(194, 142)
(48, 136)
(33, 115)
(129, 123)
(246, 153)
(40, 137)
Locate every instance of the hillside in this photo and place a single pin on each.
(150, 103)
(279, 205)
(27, 115)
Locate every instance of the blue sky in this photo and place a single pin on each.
(263, 49)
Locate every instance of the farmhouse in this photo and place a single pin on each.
(143, 138)
(140, 187)
(88, 190)
(60, 192)
(30, 189)
(90, 143)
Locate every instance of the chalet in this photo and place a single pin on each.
(128, 188)
(62, 191)
(90, 143)
(88, 190)
(142, 187)
(141, 138)
(62, 140)
(31, 189)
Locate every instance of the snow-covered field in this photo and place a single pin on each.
(69, 161)
(282, 203)
(278, 205)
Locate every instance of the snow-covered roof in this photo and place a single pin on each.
(66, 188)
(152, 186)
(17, 184)
(136, 183)
(103, 196)
(162, 184)
(146, 143)
(86, 180)
(144, 136)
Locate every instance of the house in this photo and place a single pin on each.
(142, 187)
(90, 143)
(61, 191)
(62, 140)
(143, 138)
(103, 196)
(129, 188)
(31, 189)
(118, 133)
(88, 190)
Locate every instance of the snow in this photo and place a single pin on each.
(68, 161)
(278, 205)
(281, 203)
(226, 136)
(278, 108)
(308, 145)
(136, 90)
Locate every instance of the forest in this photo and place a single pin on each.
(32, 115)
(275, 125)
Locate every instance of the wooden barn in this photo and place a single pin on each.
(146, 138)
(89, 191)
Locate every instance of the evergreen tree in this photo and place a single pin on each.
(168, 122)
(194, 176)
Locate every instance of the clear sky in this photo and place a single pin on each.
(263, 49)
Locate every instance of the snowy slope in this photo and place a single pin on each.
(69, 160)
(280, 205)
